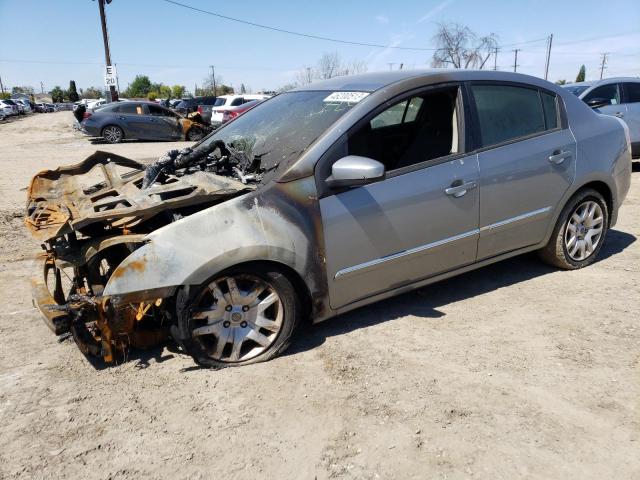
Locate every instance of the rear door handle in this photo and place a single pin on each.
(459, 188)
(558, 157)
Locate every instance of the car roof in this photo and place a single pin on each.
(604, 81)
(370, 82)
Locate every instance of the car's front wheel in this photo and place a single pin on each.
(579, 233)
(112, 134)
(242, 316)
(195, 134)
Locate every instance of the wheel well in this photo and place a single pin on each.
(604, 190)
(296, 280)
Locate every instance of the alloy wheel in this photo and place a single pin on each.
(584, 230)
(236, 318)
(112, 134)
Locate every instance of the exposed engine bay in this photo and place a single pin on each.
(92, 215)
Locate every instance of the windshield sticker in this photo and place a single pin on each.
(346, 97)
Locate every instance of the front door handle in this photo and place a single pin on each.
(619, 114)
(558, 157)
(459, 188)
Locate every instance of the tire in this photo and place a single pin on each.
(112, 134)
(219, 329)
(564, 253)
(195, 134)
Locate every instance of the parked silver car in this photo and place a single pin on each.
(619, 97)
(321, 200)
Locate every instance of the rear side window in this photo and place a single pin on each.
(131, 108)
(506, 112)
(633, 92)
(237, 101)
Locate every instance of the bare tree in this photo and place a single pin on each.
(459, 47)
(329, 66)
(305, 75)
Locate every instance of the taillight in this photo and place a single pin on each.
(86, 115)
(199, 108)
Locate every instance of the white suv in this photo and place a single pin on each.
(226, 102)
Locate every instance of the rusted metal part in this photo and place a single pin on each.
(57, 320)
(58, 202)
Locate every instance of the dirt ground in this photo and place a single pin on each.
(513, 371)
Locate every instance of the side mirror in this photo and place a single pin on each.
(352, 171)
(598, 102)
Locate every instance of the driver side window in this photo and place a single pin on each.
(610, 93)
(411, 131)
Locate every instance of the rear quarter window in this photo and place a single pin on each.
(506, 112)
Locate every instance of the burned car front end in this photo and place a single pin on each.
(89, 218)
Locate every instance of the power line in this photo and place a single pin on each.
(299, 34)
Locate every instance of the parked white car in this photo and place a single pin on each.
(225, 102)
(9, 106)
(5, 111)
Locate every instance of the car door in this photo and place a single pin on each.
(527, 162)
(421, 220)
(131, 117)
(159, 125)
(631, 97)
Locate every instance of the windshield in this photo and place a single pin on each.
(279, 130)
(577, 90)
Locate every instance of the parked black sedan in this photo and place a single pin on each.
(141, 121)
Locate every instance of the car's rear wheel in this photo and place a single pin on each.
(579, 233)
(242, 316)
(112, 134)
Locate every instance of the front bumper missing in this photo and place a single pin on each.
(99, 328)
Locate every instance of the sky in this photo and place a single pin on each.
(56, 41)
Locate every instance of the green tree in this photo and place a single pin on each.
(22, 89)
(140, 87)
(561, 82)
(177, 91)
(4, 95)
(243, 89)
(164, 91)
(73, 93)
(152, 96)
(582, 74)
(91, 93)
(57, 95)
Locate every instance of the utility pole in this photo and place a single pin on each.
(515, 61)
(401, 65)
(213, 79)
(113, 94)
(495, 59)
(308, 74)
(604, 62)
(117, 79)
(1, 86)
(42, 87)
(546, 65)
(390, 65)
